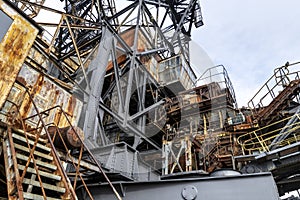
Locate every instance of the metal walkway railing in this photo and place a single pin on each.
(48, 146)
(281, 78)
(263, 140)
(219, 75)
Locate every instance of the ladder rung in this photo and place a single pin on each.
(23, 148)
(38, 162)
(36, 196)
(45, 185)
(42, 173)
(23, 139)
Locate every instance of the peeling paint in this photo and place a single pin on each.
(14, 49)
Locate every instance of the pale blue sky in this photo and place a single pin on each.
(250, 38)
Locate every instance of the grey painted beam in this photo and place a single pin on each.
(246, 187)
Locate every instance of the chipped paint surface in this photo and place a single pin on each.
(16, 77)
(46, 95)
(14, 48)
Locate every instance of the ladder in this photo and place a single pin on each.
(32, 170)
(276, 94)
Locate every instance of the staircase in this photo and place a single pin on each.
(280, 102)
(276, 95)
(33, 159)
(32, 170)
(221, 154)
(225, 150)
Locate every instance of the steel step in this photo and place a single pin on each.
(30, 135)
(42, 173)
(38, 162)
(23, 148)
(45, 185)
(23, 139)
(36, 196)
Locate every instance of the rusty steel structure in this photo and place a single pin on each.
(101, 102)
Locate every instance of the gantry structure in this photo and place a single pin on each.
(127, 45)
(98, 92)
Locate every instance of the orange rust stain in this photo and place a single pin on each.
(71, 105)
(120, 60)
(13, 51)
(142, 43)
(21, 80)
(26, 105)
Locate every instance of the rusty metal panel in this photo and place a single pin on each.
(144, 43)
(14, 48)
(47, 94)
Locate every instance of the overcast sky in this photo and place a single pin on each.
(250, 38)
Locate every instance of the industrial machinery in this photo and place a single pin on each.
(99, 101)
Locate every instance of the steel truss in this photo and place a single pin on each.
(93, 29)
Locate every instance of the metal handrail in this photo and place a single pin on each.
(86, 149)
(54, 152)
(281, 77)
(260, 139)
(209, 74)
(30, 157)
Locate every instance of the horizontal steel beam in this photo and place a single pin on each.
(247, 187)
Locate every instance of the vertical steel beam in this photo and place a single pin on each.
(133, 65)
(97, 70)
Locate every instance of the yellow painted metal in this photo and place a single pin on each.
(205, 125)
(13, 49)
(260, 139)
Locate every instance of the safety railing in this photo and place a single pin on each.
(262, 140)
(281, 78)
(176, 69)
(39, 127)
(218, 74)
(75, 161)
(12, 117)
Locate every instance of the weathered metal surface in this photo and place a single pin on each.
(201, 112)
(23, 139)
(46, 95)
(144, 44)
(69, 136)
(12, 174)
(176, 74)
(38, 162)
(37, 197)
(23, 148)
(11, 185)
(46, 162)
(144, 41)
(46, 186)
(42, 173)
(14, 48)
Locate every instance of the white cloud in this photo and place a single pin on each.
(250, 38)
